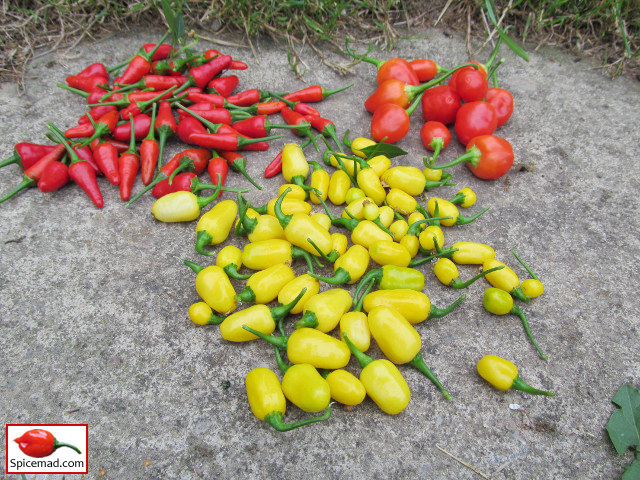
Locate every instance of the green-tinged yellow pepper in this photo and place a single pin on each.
(308, 345)
(413, 305)
(504, 279)
(268, 403)
(370, 211)
(346, 388)
(303, 232)
(243, 210)
(465, 198)
(391, 277)
(214, 287)
(401, 201)
(201, 314)
(399, 229)
(291, 289)
(184, 206)
(303, 386)
(408, 179)
(382, 381)
(379, 164)
(265, 253)
(448, 209)
(433, 174)
(319, 183)
(264, 286)
(532, 287)
(230, 260)
(388, 252)
(324, 310)
(356, 325)
(353, 194)
(399, 341)
(322, 219)
(447, 272)
(436, 178)
(355, 209)
(499, 302)
(503, 375)
(339, 185)
(259, 317)
(295, 168)
(215, 225)
(349, 267)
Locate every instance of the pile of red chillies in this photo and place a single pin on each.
(162, 93)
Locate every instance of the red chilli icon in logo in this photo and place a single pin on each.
(39, 443)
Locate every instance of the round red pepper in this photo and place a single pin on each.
(435, 137)
(474, 119)
(471, 84)
(488, 156)
(440, 104)
(502, 101)
(425, 69)
(390, 121)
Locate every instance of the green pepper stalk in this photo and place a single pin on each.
(499, 302)
(392, 277)
(349, 267)
(447, 273)
(532, 287)
(357, 301)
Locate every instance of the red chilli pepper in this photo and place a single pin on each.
(224, 86)
(314, 93)
(218, 169)
(435, 137)
(96, 112)
(106, 156)
(88, 84)
(39, 443)
(80, 171)
(161, 52)
(488, 157)
(104, 125)
(165, 127)
(274, 167)
(34, 172)
(201, 75)
(27, 154)
(230, 142)
(246, 98)
(149, 152)
(85, 153)
(96, 69)
(140, 65)
(54, 176)
(392, 121)
(142, 126)
(471, 84)
(128, 166)
(180, 183)
(425, 69)
(189, 126)
(257, 126)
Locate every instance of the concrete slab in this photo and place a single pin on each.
(95, 327)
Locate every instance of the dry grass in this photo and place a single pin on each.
(606, 30)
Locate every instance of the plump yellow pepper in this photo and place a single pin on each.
(349, 267)
(347, 164)
(465, 198)
(369, 182)
(504, 279)
(291, 290)
(346, 388)
(399, 341)
(367, 232)
(447, 272)
(406, 178)
(303, 386)
(268, 403)
(178, 207)
(264, 286)
(432, 174)
(391, 277)
(265, 253)
(230, 260)
(324, 310)
(413, 305)
(356, 208)
(426, 237)
(399, 229)
(379, 164)
(339, 185)
(532, 287)
(386, 215)
(471, 253)
(319, 183)
(382, 381)
(265, 227)
(353, 194)
(322, 219)
(340, 243)
(356, 325)
(258, 317)
(295, 168)
(448, 209)
(503, 375)
(214, 287)
(401, 201)
(201, 314)
(214, 226)
(388, 252)
(295, 191)
(289, 206)
(358, 143)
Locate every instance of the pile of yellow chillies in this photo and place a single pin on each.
(388, 225)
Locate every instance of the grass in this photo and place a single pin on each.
(606, 30)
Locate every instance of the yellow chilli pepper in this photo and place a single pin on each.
(406, 178)
(356, 325)
(503, 375)
(268, 403)
(401, 201)
(295, 192)
(387, 215)
(303, 386)
(291, 289)
(341, 162)
(214, 226)
(413, 305)
(388, 252)
(324, 310)
(289, 206)
(366, 232)
(447, 272)
(201, 314)
(355, 209)
(369, 182)
(319, 183)
(340, 244)
(264, 286)
(265, 253)
(259, 317)
(465, 198)
(399, 229)
(258, 227)
(499, 302)
(230, 260)
(322, 219)
(308, 345)
(214, 287)
(390, 277)
(504, 279)
(532, 287)
(346, 388)
(399, 341)
(339, 185)
(448, 209)
(471, 253)
(379, 164)
(357, 144)
(382, 381)
(184, 206)
(295, 168)
(349, 267)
